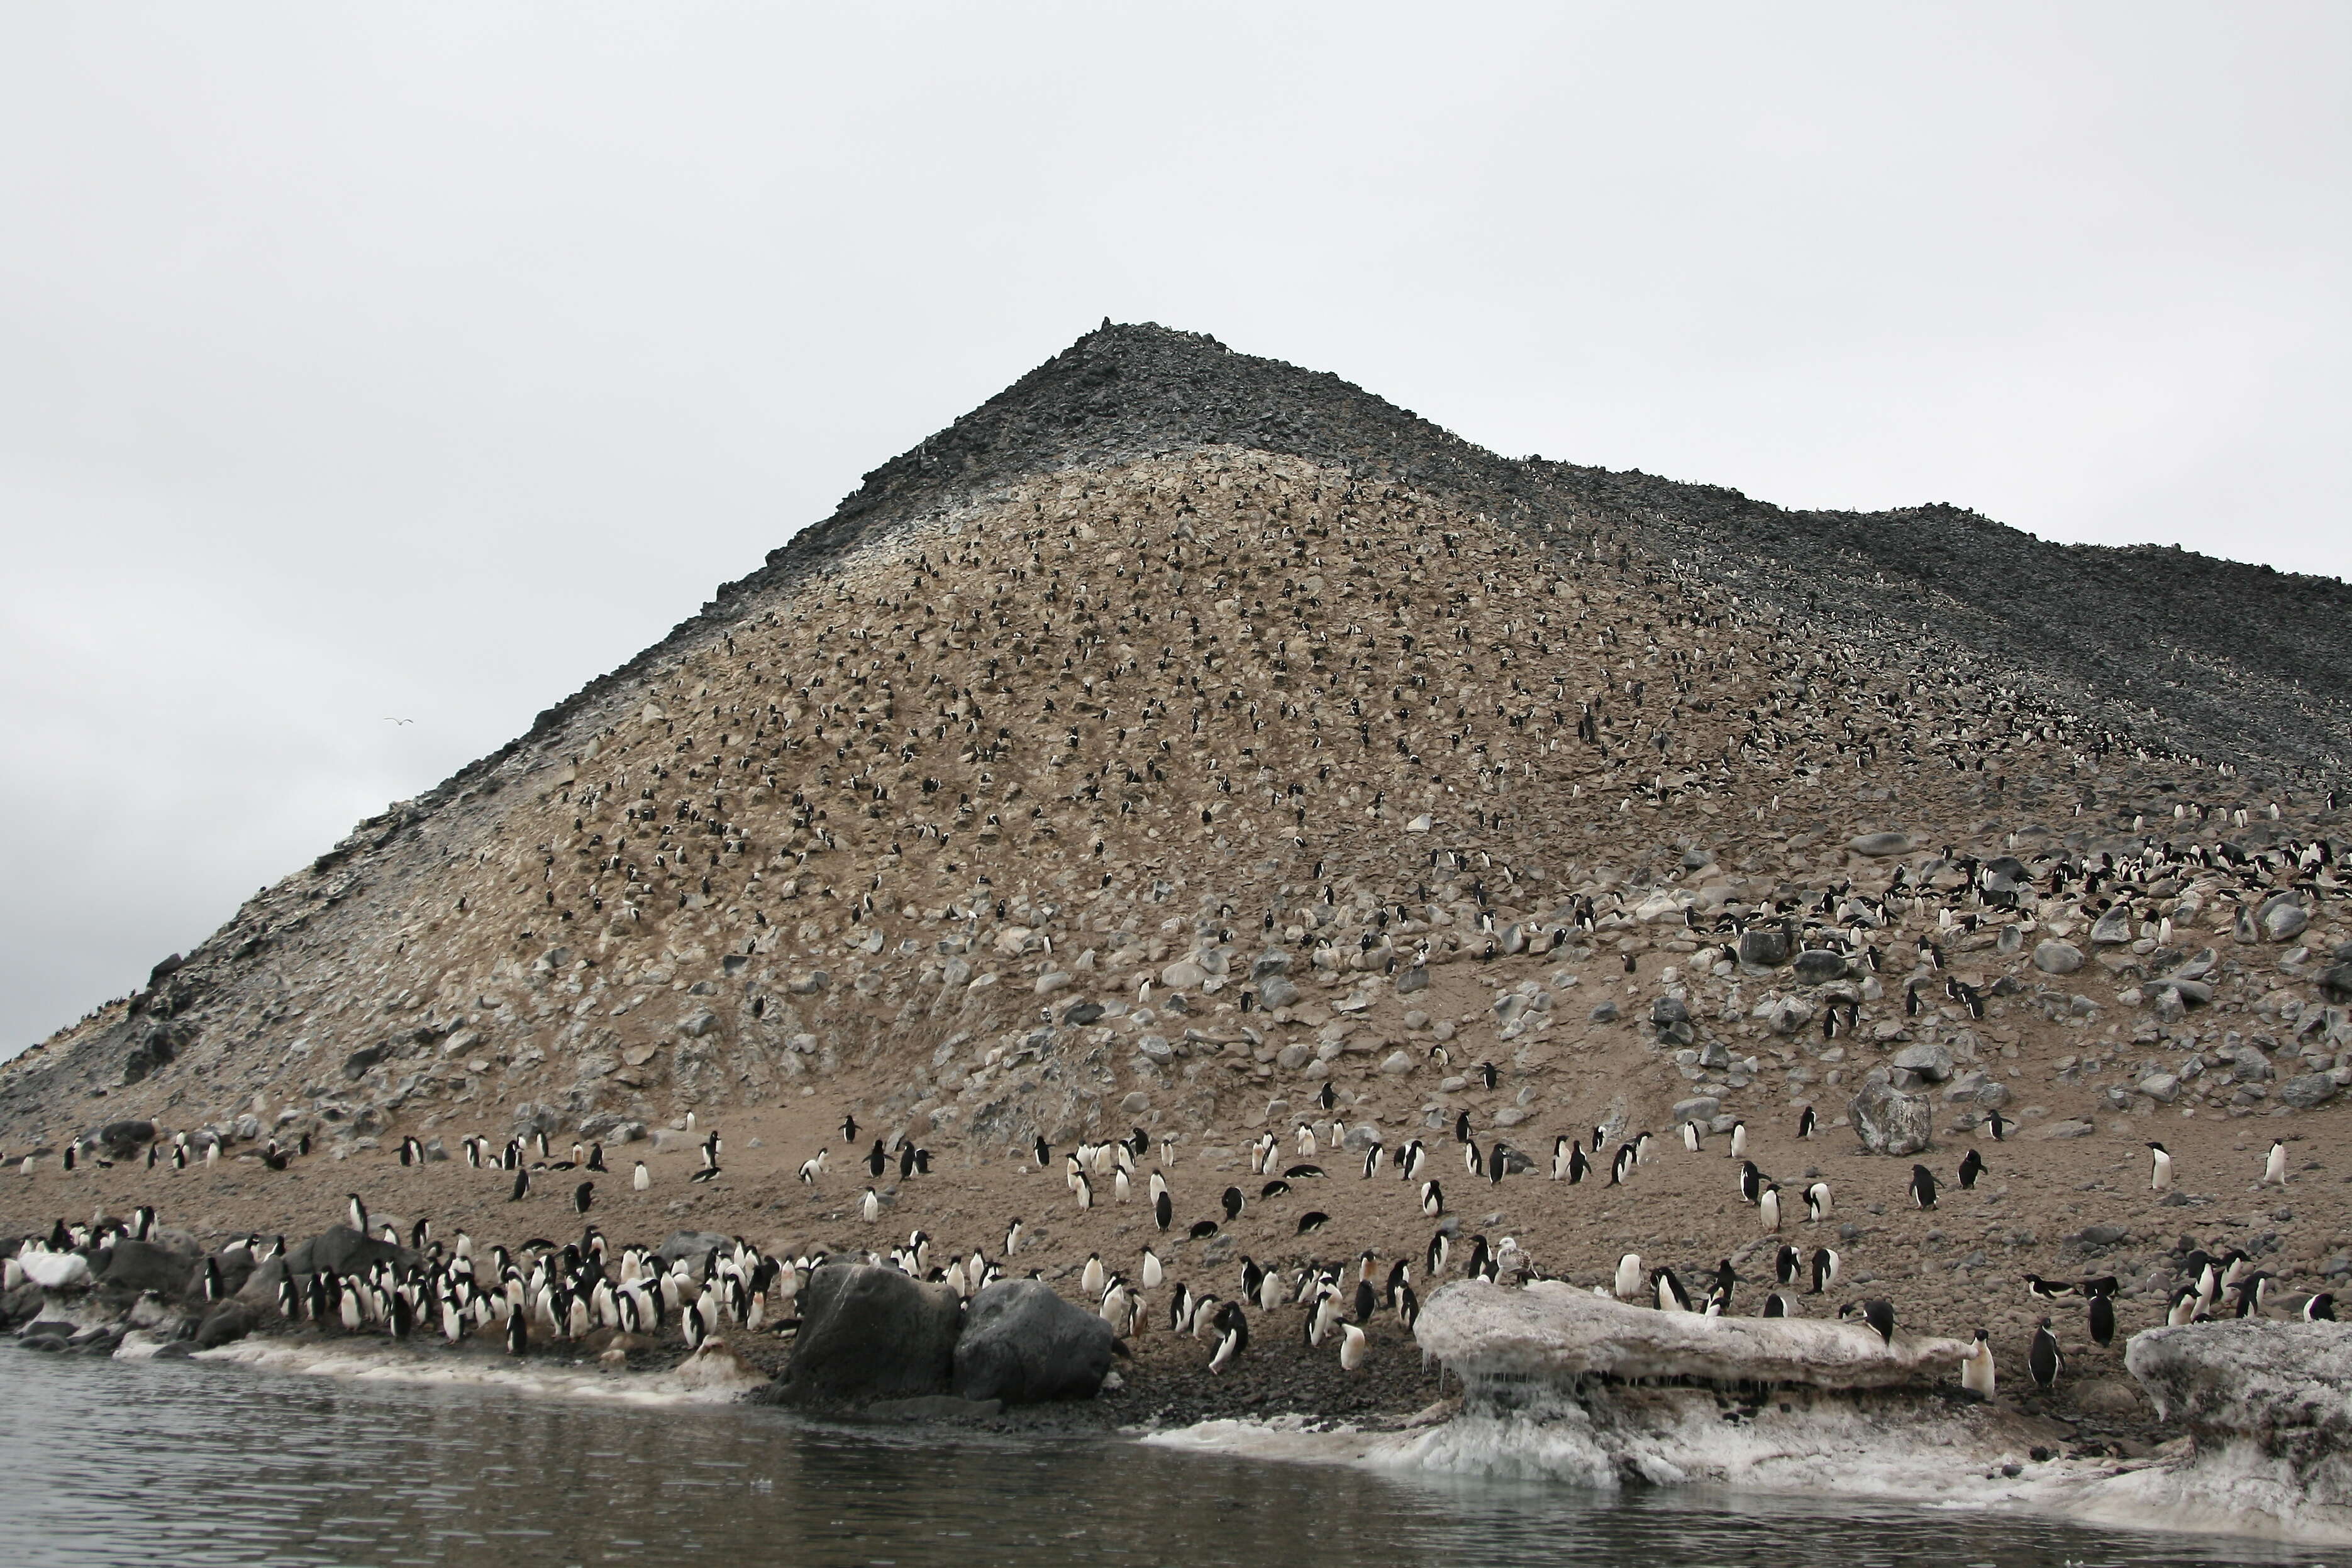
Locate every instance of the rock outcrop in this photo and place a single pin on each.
(1556, 1332)
(870, 1333)
(1024, 1344)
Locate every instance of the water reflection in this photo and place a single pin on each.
(115, 1463)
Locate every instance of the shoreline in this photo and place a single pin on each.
(1823, 1448)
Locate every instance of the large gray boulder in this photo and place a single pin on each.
(693, 1246)
(871, 1332)
(2270, 1404)
(149, 1266)
(1766, 946)
(1024, 1344)
(2052, 956)
(1889, 1122)
(343, 1250)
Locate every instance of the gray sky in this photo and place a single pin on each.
(425, 361)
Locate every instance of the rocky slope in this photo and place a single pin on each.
(1182, 733)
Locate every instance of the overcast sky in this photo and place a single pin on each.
(363, 363)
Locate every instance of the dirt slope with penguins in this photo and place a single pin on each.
(1182, 733)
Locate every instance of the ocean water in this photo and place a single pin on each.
(119, 1463)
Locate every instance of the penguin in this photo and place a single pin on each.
(583, 1195)
(1806, 1122)
(521, 1185)
(1751, 1182)
(1119, 1188)
(2102, 1320)
(1372, 1162)
(1877, 1313)
(1090, 1279)
(1739, 1140)
(871, 1208)
(876, 1160)
(1313, 1220)
(1043, 1151)
(1079, 1185)
(1817, 1202)
(1826, 1270)
(1232, 1335)
(1667, 1291)
(1432, 1199)
(1923, 1188)
(1440, 1246)
(1013, 1237)
(1163, 1211)
(2160, 1174)
(1629, 1276)
(1408, 1307)
(596, 1158)
(1690, 1137)
(1487, 1073)
(358, 1215)
(2042, 1290)
(1971, 1167)
(1622, 1164)
(517, 1335)
(1977, 1368)
(2320, 1309)
(1233, 1202)
(1152, 1272)
(1999, 1125)
(1788, 1264)
(2275, 1167)
(1351, 1347)
(2182, 1309)
(1776, 1305)
(641, 1179)
(1767, 1204)
(2045, 1360)
(1410, 1163)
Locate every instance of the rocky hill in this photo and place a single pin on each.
(1137, 748)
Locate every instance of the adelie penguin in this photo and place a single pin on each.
(1971, 1167)
(2274, 1166)
(1878, 1313)
(583, 1195)
(2045, 1359)
(1998, 1125)
(2159, 1167)
(1163, 1211)
(1806, 1122)
(1977, 1369)
(2102, 1320)
(521, 1185)
(1923, 1188)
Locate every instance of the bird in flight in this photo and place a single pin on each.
(389, 720)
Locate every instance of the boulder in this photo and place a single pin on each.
(2066, 1129)
(2309, 1089)
(1024, 1344)
(2113, 928)
(227, 1322)
(345, 1251)
(2336, 984)
(121, 1140)
(1766, 946)
(2052, 956)
(2269, 1404)
(2282, 917)
(148, 1266)
(1880, 844)
(1408, 981)
(1277, 992)
(872, 1333)
(1819, 966)
(692, 1245)
(1889, 1122)
(1552, 1330)
(1930, 1060)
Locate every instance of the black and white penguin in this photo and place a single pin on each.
(2320, 1309)
(1826, 1263)
(2183, 1307)
(2042, 1290)
(1776, 1305)
(358, 1212)
(1788, 1265)
(583, 1195)
(1977, 1373)
(1410, 1163)
(1313, 1220)
(1487, 1073)
(1690, 1137)
(1923, 1188)
(1971, 1167)
(1621, 1165)
(1373, 1157)
(1806, 1122)
(521, 1185)
(870, 1208)
(596, 1158)
(2274, 1165)
(1163, 1211)
(1462, 1127)
(1999, 1125)
(1768, 1206)
(1043, 1150)
(2045, 1360)
(1751, 1182)
(876, 1160)
(1817, 1202)
(2102, 1320)
(1432, 1199)
(1666, 1292)
(2159, 1169)
(1878, 1312)
(1234, 1203)
(517, 1332)
(1440, 1246)
(1232, 1335)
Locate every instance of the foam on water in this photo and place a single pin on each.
(367, 1362)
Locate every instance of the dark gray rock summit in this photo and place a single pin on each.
(869, 1332)
(1024, 1344)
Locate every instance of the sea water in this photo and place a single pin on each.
(110, 1462)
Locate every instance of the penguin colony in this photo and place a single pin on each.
(1220, 793)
